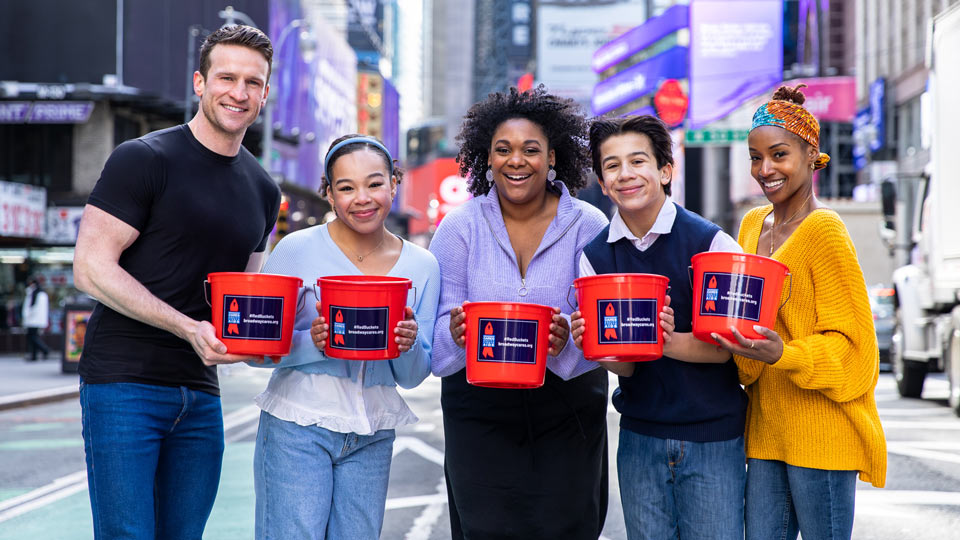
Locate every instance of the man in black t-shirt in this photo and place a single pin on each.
(169, 208)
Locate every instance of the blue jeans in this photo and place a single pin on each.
(783, 500)
(313, 483)
(153, 459)
(679, 489)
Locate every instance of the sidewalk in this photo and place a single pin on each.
(27, 383)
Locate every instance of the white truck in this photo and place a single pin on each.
(927, 233)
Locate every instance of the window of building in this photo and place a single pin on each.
(40, 155)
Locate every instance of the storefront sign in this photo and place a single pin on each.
(23, 210)
(63, 223)
(829, 99)
(878, 103)
(45, 112)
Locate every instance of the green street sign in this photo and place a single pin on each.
(716, 136)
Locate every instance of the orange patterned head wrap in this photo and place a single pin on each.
(786, 110)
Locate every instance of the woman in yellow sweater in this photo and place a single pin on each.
(812, 422)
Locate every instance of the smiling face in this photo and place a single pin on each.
(629, 173)
(361, 190)
(234, 89)
(780, 162)
(520, 158)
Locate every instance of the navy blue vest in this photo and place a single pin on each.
(668, 398)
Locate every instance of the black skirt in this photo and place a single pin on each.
(526, 464)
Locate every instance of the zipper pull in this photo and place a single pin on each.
(523, 287)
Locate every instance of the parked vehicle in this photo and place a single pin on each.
(927, 244)
(884, 320)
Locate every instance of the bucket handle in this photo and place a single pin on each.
(569, 303)
(789, 292)
(317, 294)
(414, 287)
(206, 297)
(690, 275)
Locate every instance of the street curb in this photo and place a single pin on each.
(38, 397)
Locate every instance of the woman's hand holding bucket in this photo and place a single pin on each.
(406, 330)
(458, 326)
(319, 330)
(767, 350)
(559, 333)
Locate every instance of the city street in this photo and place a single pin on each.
(43, 486)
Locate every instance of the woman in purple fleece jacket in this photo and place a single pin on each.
(521, 463)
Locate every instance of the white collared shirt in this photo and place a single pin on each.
(662, 225)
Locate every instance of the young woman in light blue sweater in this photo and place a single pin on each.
(325, 442)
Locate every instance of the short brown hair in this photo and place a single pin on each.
(237, 34)
(603, 128)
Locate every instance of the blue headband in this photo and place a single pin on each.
(352, 140)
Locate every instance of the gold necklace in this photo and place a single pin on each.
(360, 257)
(773, 226)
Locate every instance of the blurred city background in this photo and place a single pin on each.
(79, 78)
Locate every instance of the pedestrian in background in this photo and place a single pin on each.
(521, 463)
(36, 318)
(680, 458)
(169, 208)
(812, 422)
(325, 443)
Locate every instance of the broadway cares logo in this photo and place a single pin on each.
(233, 318)
(489, 341)
(339, 329)
(713, 294)
(610, 322)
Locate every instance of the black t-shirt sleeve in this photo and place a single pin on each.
(130, 180)
(271, 220)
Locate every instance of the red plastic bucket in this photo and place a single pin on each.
(622, 316)
(253, 314)
(507, 344)
(362, 312)
(735, 289)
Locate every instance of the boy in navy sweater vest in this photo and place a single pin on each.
(680, 459)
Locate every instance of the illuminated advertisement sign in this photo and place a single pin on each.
(736, 52)
(641, 37)
(639, 80)
(315, 86)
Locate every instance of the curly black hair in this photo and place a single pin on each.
(561, 121)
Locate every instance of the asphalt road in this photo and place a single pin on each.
(43, 485)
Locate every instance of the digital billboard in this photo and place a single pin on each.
(736, 52)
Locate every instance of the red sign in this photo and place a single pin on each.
(431, 191)
(525, 82)
(671, 102)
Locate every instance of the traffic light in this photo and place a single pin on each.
(370, 104)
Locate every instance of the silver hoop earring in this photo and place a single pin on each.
(551, 174)
(489, 175)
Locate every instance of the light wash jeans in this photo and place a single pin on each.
(313, 483)
(784, 500)
(153, 459)
(679, 489)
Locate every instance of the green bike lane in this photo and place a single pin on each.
(43, 488)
